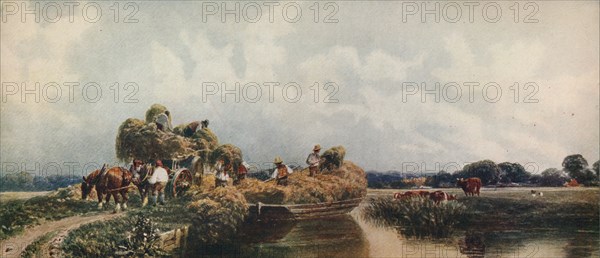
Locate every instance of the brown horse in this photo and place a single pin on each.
(115, 181)
(142, 182)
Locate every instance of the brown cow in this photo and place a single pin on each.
(440, 196)
(410, 194)
(470, 186)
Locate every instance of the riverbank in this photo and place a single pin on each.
(517, 207)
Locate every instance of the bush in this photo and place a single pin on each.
(97, 239)
(143, 239)
(217, 215)
(415, 217)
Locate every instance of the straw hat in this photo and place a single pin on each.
(278, 160)
(317, 147)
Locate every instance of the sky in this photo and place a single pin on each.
(398, 88)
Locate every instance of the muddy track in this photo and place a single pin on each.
(13, 247)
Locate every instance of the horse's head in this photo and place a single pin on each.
(86, 188)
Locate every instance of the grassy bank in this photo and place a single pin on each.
(104, 237)
(16, 215)
(565, 207)
(516, 208)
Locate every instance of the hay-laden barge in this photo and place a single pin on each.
(271, 212)
(332, 193)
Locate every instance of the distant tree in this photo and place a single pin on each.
(577, 167)
(575, 162)
(574, 165)
(553, 177)
(41, 183)
(375, 185)
(21, 181)
(535, 179)
(441, 179)
(513, 172)
(486, 170)
(596, 167)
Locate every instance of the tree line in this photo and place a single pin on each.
(23, 181)
(575, 169)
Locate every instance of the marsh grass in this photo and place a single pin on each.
(415, 217)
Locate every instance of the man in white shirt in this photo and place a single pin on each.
(222, 175)
(313, 160)
(158, 180)
(281, 172)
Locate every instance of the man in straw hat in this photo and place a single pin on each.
(281, 172)
(313, 160)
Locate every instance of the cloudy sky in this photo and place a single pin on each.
(543, 59)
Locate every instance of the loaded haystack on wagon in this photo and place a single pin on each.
(184, 156)
(335, 191)
(332, 158)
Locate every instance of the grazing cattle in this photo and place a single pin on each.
(470, 186)
(535, 193)
(441, 196)
(410, 194)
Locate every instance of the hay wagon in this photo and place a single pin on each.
(183, 175)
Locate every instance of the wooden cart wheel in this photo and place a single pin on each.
(181, 182)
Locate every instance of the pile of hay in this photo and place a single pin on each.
(346, 182)
(155, 110)
(333, 158)
(137, 138)
(229, 153)
(217, 215)
(204, 141)
(258, 191)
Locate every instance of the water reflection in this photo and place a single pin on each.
(484, 242)
(339, 236)
(472, 245)
(351, 236)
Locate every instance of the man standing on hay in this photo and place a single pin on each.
(190, 129)
(281, 172)
(162, 122)
(222, 173)
(158, 180)
(313, 160)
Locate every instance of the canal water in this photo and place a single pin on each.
(352, 236)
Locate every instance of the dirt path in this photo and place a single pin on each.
(13, 247)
